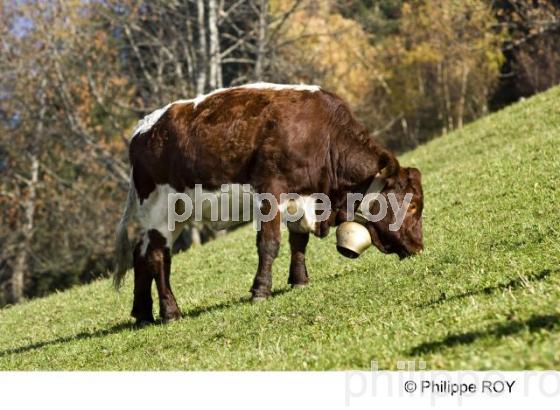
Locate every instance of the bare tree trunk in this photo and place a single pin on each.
(441, 102)
(190, 56)
(202, 51)
(447, 99)
(16, 286)
(215, 80)
(485, 99)
(461, 107)
(404, 126)
(21, 268)
(261, 40)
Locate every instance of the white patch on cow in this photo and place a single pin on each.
(259, 86)
(144, 242)
(146, 123)
(272, 86)
(223, 208)
(309, 218)
(152, 214)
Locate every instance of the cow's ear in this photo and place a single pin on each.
(388, 168)
(388, 165)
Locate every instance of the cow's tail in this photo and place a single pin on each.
(123, 249)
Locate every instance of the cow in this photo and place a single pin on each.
(278, 139)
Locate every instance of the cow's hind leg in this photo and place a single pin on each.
(154, 256)
(298, 271)
(142, 305)
(268, 244)
(152, 261)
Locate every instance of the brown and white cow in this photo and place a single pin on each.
(277, 138)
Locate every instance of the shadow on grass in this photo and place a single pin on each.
(129, 325)
(512, 284)
(196, 312)
(79, 336)
(533, 324)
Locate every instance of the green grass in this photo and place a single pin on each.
(484, 294)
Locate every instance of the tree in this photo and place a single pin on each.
(438, 71)
(61, 141)
(532, 50)
(318, 45)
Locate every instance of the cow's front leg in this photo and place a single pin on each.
(159, 262)
(268, 243)
(298, 272)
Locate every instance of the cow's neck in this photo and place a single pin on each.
(358, 161)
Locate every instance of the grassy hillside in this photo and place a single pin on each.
(484, 294)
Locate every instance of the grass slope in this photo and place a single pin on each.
(483, 295)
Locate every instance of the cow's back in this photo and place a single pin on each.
(243, 135)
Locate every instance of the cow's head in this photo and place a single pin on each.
(407, 239)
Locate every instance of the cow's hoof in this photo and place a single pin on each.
(140, 323)
(299, 285)
(143, 318)
(171, 317)
(259, 294)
